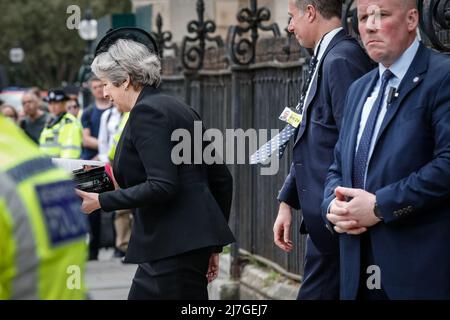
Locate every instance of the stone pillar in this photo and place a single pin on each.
(280, 14)
(225, 15)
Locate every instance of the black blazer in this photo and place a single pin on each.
(179, 208)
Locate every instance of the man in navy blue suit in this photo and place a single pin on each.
(338, 61)
(388, 191)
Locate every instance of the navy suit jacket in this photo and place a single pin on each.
(409, 172)
(344, 61)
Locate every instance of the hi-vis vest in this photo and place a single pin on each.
(63, 138)
(42, 230)
(116, 138)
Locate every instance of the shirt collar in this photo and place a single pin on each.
(401, 66)
(325, 41)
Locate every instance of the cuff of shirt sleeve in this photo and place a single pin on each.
(328, 224)
(329, 206)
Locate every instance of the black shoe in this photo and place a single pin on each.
(93, 252)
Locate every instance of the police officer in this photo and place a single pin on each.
(42, 231)
(62, 136)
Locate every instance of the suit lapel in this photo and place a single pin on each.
(313, 91)
(412, 79)
(354, 130)
(341, 35)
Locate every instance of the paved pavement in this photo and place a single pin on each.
(108, 278)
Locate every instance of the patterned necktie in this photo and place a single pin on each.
(281, 140)
(362, 154)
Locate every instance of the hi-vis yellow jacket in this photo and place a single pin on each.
(42, 230)
(62, 138)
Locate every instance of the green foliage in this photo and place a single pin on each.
(53, 53)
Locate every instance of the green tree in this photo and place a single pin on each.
(53, 53)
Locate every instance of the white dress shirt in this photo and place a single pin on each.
(399, 69)
(324, 43)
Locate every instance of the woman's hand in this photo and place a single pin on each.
(90, 201)
(213, 269)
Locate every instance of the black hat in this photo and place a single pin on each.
(130, 33)
(56, 95)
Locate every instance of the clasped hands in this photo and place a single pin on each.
(354, 216)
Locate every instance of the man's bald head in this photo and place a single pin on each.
(31, 103)
(407, 4)
(410, 4)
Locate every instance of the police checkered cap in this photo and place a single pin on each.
(56, 95)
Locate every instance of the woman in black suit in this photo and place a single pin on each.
(182, 210)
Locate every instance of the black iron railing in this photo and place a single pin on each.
(434, 21)
(162, 38)
(193, 56)
(243, 51)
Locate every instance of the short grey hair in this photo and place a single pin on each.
(128, 58)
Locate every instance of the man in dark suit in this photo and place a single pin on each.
(393, 158)
(338, 61)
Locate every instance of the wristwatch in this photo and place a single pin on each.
(377, 212)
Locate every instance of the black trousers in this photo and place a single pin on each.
(95, 223)
(181, 277)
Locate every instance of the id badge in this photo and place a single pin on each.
(291, 117)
